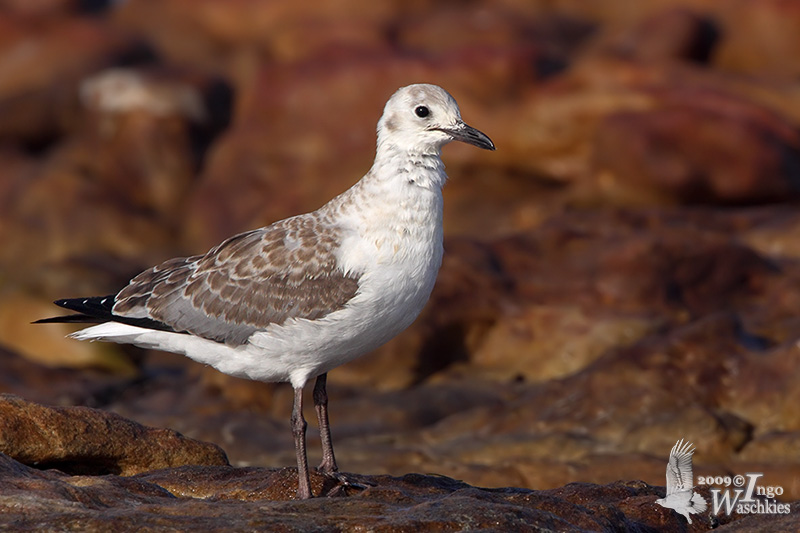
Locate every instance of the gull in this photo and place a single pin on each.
(680, 483)
(291, 301)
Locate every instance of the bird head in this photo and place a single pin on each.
(422, 118)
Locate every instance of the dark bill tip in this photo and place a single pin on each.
(468, 134)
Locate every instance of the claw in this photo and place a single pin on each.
(343, 482)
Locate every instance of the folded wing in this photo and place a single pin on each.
(266, 276)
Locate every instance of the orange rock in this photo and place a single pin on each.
(669, 35)
(699, 151)
(761, 38)
(44, 59)
(80, 440)
(548, 342)
(211, 34)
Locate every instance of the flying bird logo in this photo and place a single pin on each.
(680, 483)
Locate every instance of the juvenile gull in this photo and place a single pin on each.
(293, 300)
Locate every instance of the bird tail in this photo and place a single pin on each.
(98, 310)
(698, 503)
(109, 331)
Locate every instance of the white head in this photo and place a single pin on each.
(421, 119)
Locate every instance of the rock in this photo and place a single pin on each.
(569, 131)
(672, 34)
(761, 38)
(53, 8)
(219, 497)
(581, 286)
(471, 29)
(61, 386)
(777, 236)
(211, 36)
(540, 343)
(50, 210)
(761, 388)
(134, 165)
(701, 151)
(637, 261)
(769, 522)
(45, 59)
(687, 383)
(127, 90)
(80, 440)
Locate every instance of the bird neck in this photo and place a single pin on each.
(411, 166)
(391, 146)
(399, 183)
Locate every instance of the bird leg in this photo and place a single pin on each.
(328, 464)
(299, 432)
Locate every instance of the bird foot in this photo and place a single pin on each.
(341, 483)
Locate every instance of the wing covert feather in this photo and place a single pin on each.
(254, 279)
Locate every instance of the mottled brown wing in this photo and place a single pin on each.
(266, 276)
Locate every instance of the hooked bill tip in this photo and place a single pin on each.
(468, 134)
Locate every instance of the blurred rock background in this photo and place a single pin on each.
(622, 272)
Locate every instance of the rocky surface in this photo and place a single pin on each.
(80, 440)
(220, 498)
(623, 272)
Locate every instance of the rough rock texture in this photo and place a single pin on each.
(238, 499)
(702, 147)
(80, 440)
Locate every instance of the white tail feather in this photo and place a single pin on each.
(699, 503)
(109, 331)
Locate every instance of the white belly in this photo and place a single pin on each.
(390, 297)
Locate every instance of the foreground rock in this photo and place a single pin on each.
(81, 440)
(224, 498)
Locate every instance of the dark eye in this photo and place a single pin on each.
(421, 111)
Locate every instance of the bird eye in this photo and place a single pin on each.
(421, 111)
